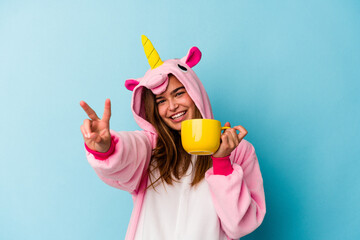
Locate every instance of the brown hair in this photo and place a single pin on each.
(169, 156)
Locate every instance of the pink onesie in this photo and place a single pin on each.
(235, 182)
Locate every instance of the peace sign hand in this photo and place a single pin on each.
(230, 140)
(96, 131)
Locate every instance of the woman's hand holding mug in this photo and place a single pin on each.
(230, 140)
(203, 137)
(96, 131)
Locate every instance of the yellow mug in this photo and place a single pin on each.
(201, 136)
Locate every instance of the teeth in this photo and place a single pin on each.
(178, 115)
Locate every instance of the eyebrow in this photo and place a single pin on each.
(172, 92)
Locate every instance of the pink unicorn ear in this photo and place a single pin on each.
(131, 84)
(193, 57)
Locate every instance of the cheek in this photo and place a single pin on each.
(162, 110)
(193, 112)
(188, 101)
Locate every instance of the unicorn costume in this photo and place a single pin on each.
(228, 204)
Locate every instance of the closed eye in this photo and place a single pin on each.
(179, 93)
(159, 102)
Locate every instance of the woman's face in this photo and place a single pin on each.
(175, 105)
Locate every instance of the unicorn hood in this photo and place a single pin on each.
(156, 79)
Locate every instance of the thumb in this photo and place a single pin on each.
(227, 124)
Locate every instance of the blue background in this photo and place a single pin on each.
(286, 70)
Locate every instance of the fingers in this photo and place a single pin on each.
(83, 131)
(90, 136)
(107, 111)
(242, 130)
(224, 140)
(229, 138)
(97, 138)
(234, 136)
(232, 133)
(86, 136)
(227, 144)
(89, 111)
(87, 128)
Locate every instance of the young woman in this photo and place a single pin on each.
(176, 195)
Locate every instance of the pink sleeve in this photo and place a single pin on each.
(222, 166)
(105, 155)
(239, 197)
(128, 162)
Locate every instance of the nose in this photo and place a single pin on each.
(173, 105)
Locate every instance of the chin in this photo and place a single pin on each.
(176, 127)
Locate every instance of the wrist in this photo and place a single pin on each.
(103, 155)
(220, 155)
(220, 158)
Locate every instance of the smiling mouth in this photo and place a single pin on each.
(178, 115)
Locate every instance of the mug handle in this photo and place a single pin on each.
(223, 128)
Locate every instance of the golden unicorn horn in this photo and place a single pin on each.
(150, 52)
